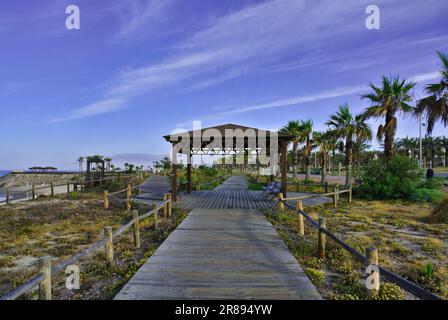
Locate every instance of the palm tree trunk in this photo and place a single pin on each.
(294, 160)
(324, 168)
(333, 163)
(388, 136)
(308, 161)
(446, 156)
(349, 161)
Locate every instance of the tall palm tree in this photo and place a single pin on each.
(323, 141)
(407, 145)
(345, 125)
(435, 106)
(393, 96)
(292, 129)
(360, 145)
(444, 144)
(306, 137)
(430, 149)
(80, 161)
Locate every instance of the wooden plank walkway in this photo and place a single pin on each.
(221, 254)
(233, 194)
(154, 188)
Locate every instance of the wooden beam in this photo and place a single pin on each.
(283, 166)
(189, 173)
(174, 174)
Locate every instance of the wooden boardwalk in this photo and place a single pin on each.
(221, 254)
(154, 188)
(233, 194)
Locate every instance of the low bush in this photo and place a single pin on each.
(401, 178)
(427, 195)
(389, 291)
(440, 212)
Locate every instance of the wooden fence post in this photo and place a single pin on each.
(339, 169)
(326, 186)
(281, 206)
(7, 197)
(156, 214)
(128, 198)
(335, 196)
(136, 229)
(337, 190)
(321, 239)
(372, 259)
(45, 285)
(33, 191)
(165, 205)
(170, 205)
(109, 245)
(350, 194)
(299, 206)
(106, 199)
(52, 189)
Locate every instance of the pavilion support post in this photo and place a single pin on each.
(283, 165)
(174, 175)
(189, 174)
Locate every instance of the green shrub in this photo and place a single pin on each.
(317, 276)
(431, 245)
(74, 195)
(433, 183)
(389, 291)
(340, 260)
(427, 195)
(398, 180)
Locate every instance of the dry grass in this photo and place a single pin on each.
(61, 227)
(406, 240)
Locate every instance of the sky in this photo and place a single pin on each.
(137, 70)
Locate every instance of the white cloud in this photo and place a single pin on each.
(97, 108)
(426, 76)
(338, 92)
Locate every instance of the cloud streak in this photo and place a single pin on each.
(247, 40)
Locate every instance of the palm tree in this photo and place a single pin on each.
(323, 141)
(430, 149)
(292, 129)
(80, 161)
(392, 97)
(435, 106)
(306, 137)
(108, 161)
(406, 144)
(444, 144)
(344, 125)
(360, 145)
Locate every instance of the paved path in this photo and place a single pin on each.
(221, 254)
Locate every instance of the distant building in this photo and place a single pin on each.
(42, 169)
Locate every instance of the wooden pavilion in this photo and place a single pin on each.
(228, 139)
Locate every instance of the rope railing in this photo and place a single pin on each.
(320, 225)
(47, 271)
(9, 196)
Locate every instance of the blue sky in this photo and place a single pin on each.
(139, 69)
